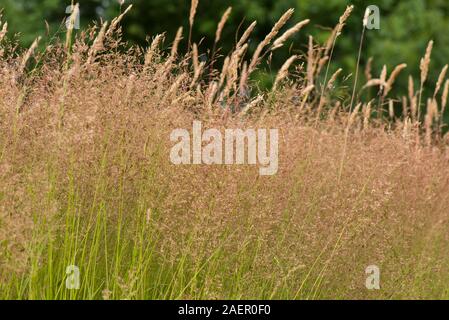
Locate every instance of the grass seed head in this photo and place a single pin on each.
(222, 23)
(425, 62)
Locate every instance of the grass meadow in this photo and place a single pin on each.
(86, 179)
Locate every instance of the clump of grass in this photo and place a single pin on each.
(93, 186)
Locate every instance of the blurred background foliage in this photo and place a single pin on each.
(406, 26)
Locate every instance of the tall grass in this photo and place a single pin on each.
(86, 181)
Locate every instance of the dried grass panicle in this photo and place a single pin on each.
(366, 114)
(283, 72)
(366, 17)
(243, 87)
(279, 42)
(28, 55)
(255, 60)
(251, 105)
(169, 64)
(425, 62)
(330, 43)
(238, 54)
(333, 78)
(368, 67)
(311, 62)
(381, 81)
(440, 80)
(391, 108)
(431, 114)
(383, 74)
(384, 84)
(174, 88)
(405, 109)
(197, 74)
(307, 90)
(197, 66)
(246, 34)
(353, 116)
(222, 23)
(193, 8)
(444, 96)
(232, 69)
(153, 49)
(305, 93)
(435, 112)
(322, 62)
(98, 44)
(175, 45)
(116, 21)
(71, 26)
(195, 59)
(424, 67)
(414, 109)
(374, 82)
(411, 88)
(224, 71)
(389, 85)
(343, 19)
(4, 29)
